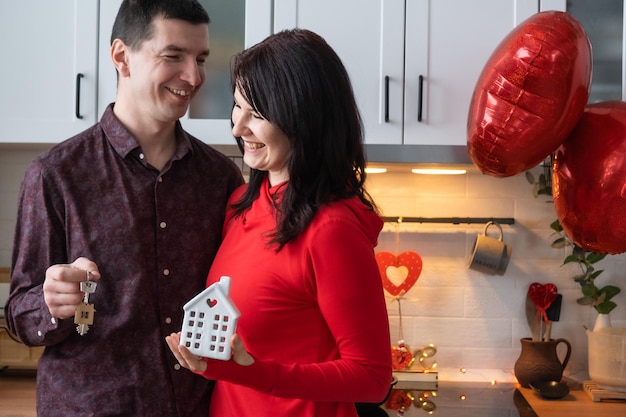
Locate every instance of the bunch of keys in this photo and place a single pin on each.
(83, 317)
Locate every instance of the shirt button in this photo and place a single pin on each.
(160, 179)
(141, 156)
(39, 333)
(168, 320)
(177, 366)
(166, 272)
(53, 320)
(163, 225)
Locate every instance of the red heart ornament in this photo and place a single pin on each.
(399, 273)
(211, 303)
(400, 357)
(542, 296)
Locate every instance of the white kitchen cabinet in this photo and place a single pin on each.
(604, 24)
(235, 24)
(49, 69)
(58, 76)
(413, 63)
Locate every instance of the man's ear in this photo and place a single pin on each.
(119, 56)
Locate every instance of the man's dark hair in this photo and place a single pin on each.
(133, 23)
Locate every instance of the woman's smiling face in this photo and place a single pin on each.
(266, 147)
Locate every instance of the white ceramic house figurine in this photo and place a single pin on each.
(210, 321)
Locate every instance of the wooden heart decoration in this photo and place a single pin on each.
(399, 273)
(211, 303)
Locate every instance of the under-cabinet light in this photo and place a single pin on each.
(438, 171)
(375, 170)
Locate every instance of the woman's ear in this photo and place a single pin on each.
(119, 56)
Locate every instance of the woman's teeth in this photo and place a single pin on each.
(254, 145)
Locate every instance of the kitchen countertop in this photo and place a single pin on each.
(576, 404)
(17, 395)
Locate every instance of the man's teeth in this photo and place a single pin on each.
(183, 93)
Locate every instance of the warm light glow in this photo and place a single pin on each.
(463, 370)
(438, 171)
(375, 170)
(462, 397)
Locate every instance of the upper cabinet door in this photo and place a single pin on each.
(235, 25)
(603, 21)
(413, 63)
(49, 69)
(447, 45)
(368, 35)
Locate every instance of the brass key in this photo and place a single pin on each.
(83, 317)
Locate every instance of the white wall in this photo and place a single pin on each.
(475, 320)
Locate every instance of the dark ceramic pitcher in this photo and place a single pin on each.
(539, 361)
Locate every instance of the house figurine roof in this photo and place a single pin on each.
(210, 320)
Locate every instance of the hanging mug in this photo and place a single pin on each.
(490, 255)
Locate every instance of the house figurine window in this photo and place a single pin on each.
(210, 320)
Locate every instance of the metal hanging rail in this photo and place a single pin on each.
(452, 220)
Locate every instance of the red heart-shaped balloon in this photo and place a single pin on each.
(542, 295)
(588, 172)
(530, 94)
(399, 273)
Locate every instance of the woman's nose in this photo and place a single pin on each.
(239, 125)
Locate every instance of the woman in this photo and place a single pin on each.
(299, 243)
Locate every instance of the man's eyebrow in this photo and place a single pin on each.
(176, 48)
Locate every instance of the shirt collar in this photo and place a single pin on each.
(125, 143)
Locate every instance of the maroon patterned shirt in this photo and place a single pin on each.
(153, 236)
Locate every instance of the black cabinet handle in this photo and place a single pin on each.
(78, 77)
(386, 99)
(419, 98)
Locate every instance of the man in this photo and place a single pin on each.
(134, 207)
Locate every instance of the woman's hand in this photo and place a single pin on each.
(240, 354)
(184, 356)
(198, 364)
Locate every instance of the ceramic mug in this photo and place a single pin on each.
(490, 255)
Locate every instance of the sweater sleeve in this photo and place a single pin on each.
(351, 300)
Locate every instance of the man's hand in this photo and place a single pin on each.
(61, 288)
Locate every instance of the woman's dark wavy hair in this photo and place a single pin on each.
(296, 81)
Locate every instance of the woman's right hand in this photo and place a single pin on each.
(198, 364)
(184, 356)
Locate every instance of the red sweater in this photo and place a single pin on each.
(312, 315)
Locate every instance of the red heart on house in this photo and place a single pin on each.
(211, 303)
(399, 273)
